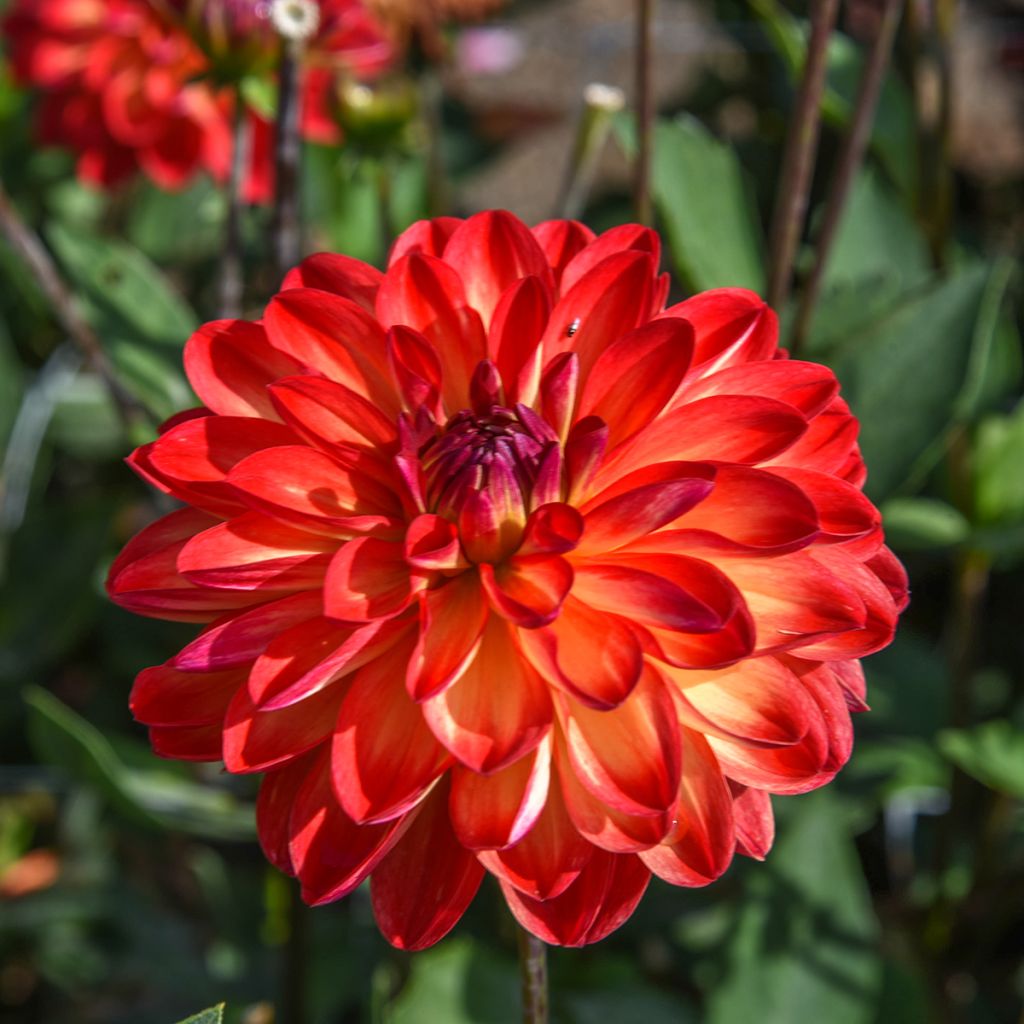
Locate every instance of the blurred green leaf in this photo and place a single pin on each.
(999, 469)
(896, 764)
(908, 688)
(926, 338)
(158, 796)
(153, 375)
(85, 420)
(992, 753)
(806, 947)
(156, 217)
(459, 983)
(214, 1015)
(921, 524)
(260, 93)
(125, 295)
(712, 232)
(625, 1004)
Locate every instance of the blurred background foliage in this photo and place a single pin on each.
(132, 890)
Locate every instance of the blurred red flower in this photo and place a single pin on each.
(508, 568)
(134, 85)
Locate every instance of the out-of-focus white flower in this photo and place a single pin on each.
(295, 19)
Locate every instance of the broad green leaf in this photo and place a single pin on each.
(260, 93)
(896, 764)
(999, 469)
(158, 796)
(85, 420)
(459, 983)
(806, 946)
(921, 524)
(713, 234)
(925, 339)
(152, 374)
(125, 295)
(156, 219)
(214, 1015)
(706, 207)
(992, 753)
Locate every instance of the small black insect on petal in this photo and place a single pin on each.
(573, 327)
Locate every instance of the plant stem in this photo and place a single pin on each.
(286, 226)
(644, 101)
(600, 102)
(533, 969)
(850, 159)
(27, 244)
(296, 958)
(231, 281)
(798, 156)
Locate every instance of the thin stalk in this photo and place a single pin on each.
(383, 175)
(27, 244)
(533, 969)
(296, 958)
(286, 225)
(600, 102)
(850, 159)
(432, 99)
(644, 101)
(799, 155)
(945, 23)
(231, 280)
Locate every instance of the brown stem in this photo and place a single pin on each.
(644, 112)
(27, 244)
(798, 156)
(231, 280)
(533, 969)
(286, 226)
(850, 159)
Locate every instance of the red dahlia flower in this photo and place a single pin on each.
(507, 568)
(130, 85)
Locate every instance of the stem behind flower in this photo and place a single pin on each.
(533, 967)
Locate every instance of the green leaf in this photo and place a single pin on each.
(921, 524)
(125, 294)
(626, 1004)
(459, 983)
(85, 420)
(806, 946)
(158, 796)
(260, 93)
(713, 234)
(156, 218)
(214, 1015)
(999, 469)
(992, 753)
(926, 339)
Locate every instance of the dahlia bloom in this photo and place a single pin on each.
(130, 85)
(507, 568)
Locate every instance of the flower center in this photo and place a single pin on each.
(497, 451)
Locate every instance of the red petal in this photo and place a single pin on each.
(416, 368)
(624, 238)
(192, 460)
(335, 337)
(592, 655)
(550, 857)
(497, 710)
(634, 378)
(384, 759)
(306, 487)
(528, 589)
(492, 251)
(514, 338)
(887, 567)
(491, 812)
(330, 853)
(758, 701)
(807, 386)
(256, 552)
(278, 790)
(230, 363)
(828, 444)
(732, 326)
(188, 743)
(165, 696)
(452, 620)
(432, 542)
(606, 303)
(334, 417)
(424, 885)
(601, 899)
(425, 236)
(340, 275)
(554, 529)
(561, 240)
(722, 428)
(629, 757)
(426, 294)
(241, 638)
(703, 845)
(642, 502)
(369, 579)
(755, 823)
